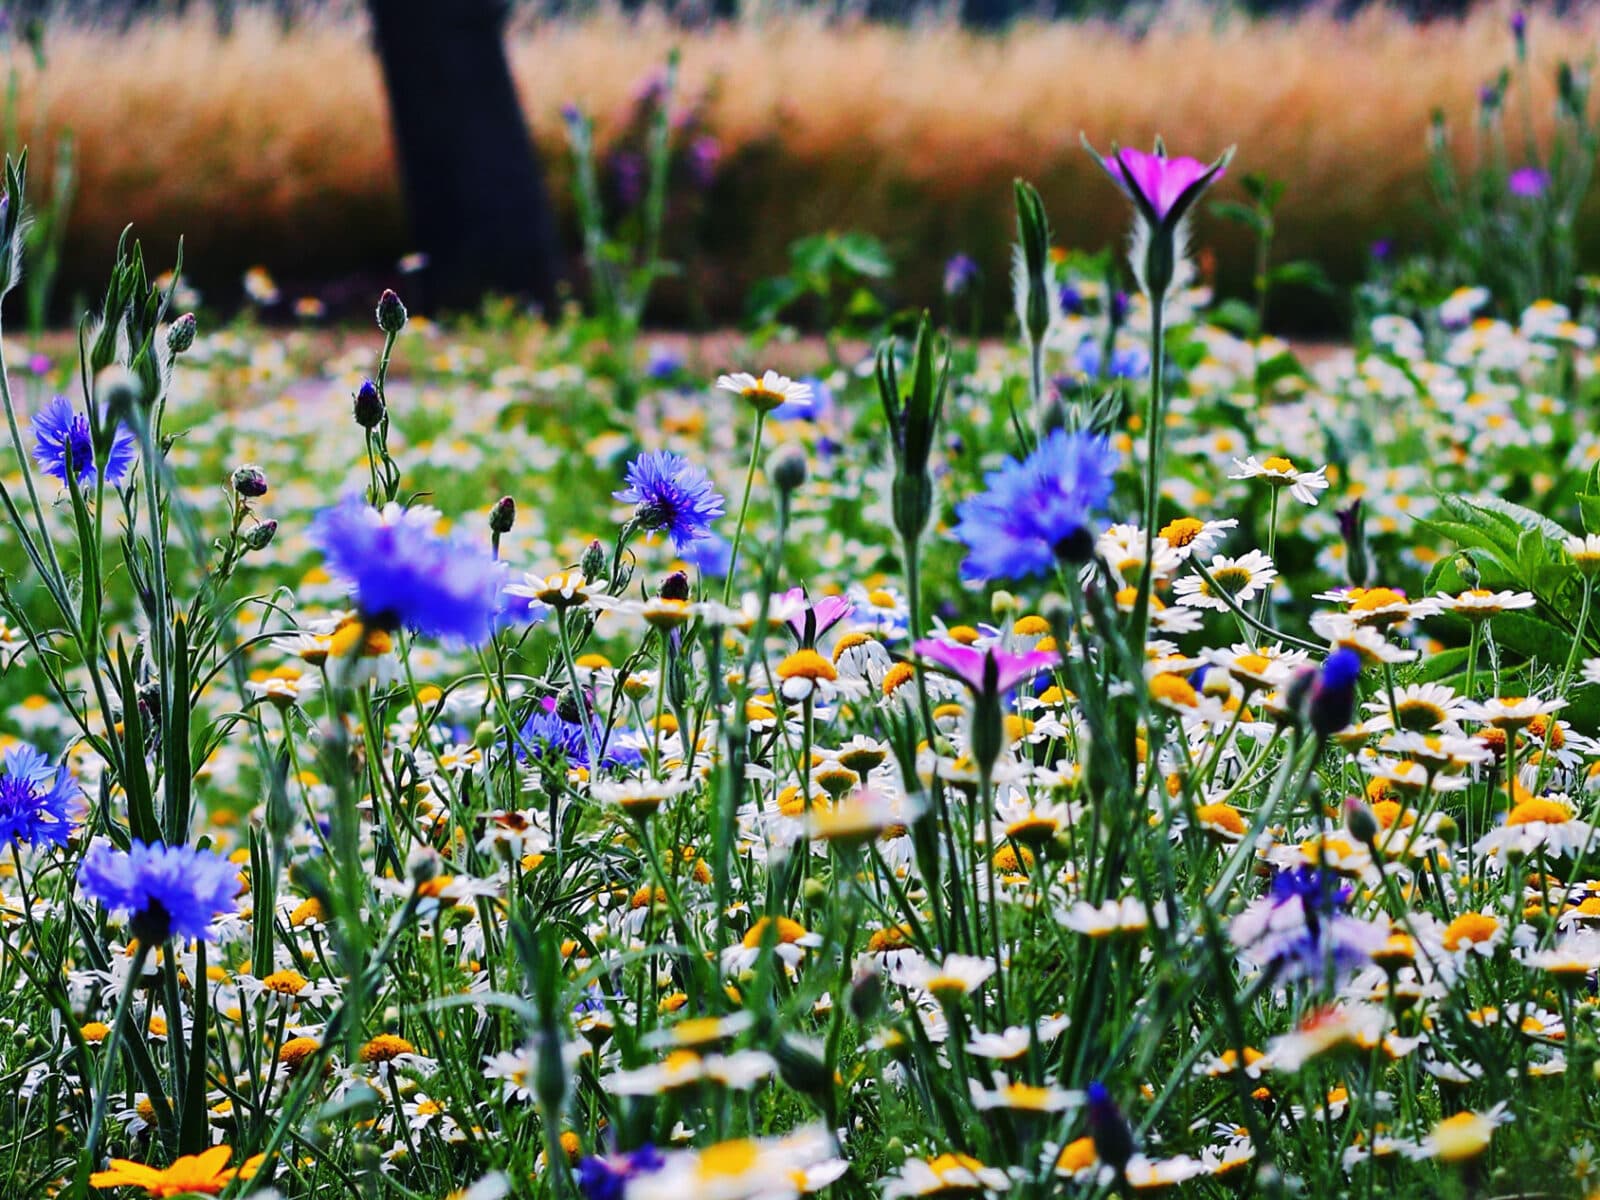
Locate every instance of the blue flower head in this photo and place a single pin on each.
(547, 735)
(670, 493)
(62, 442)
(1034, 512)
(711, 555)
(166, 891)
(36, 799)
(606, 1178)
(403, 573)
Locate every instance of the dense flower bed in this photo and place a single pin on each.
(1133, 760)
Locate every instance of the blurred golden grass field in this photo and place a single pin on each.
(274, 148)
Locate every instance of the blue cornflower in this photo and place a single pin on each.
(1301, 928)
(815, 407)
(711, 555)
(1034, 512)
(670, 493)
(36, 799)
(59, 433)
(607, 1178)
(548, 734)
(167, 891)
(405, 574)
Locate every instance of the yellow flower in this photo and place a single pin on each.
(206, 1173)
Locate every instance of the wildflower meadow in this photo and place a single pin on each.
(1099, 749)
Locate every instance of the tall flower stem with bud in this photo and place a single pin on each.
(1163, 191)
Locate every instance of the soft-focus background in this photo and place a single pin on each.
(261, 133)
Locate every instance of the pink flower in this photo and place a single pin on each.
(1157, 180)
(810, 621)
(990, 671)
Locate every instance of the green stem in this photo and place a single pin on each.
(744, 507)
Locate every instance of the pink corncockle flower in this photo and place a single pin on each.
(811, 620)
(1527, 183)
(1158, 180)
(990, 671)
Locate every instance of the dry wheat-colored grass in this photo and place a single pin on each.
(273, 147)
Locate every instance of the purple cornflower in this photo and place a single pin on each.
(627, 174)
(1155, 182)
(989, 672)
(36, 799)
(548, 734)
(663, 363)
(1527, 183)
(62, 441)
(166, 891)
(705, 153)
(606, 1178)
(1300, 928)
(670, 493)
(960, 273)
(1036, 512)
(403, 573)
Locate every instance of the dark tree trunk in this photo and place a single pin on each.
(473, 184)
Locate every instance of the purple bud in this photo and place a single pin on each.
(705, 153)
(959, 274)
(1113, 1137)
(250, 481)
(391, 313)
(369, 405)
(1332, 703)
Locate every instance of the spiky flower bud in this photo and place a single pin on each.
(674, 587)
(180, 334)
(787, 466)
(369, 408)
(260, 536)
(593, 561)
(391, 313)
(250, 481)
(503, 515)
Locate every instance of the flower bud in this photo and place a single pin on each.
(1352, 528)
(866, 995)
(1113, 1137)
(422, 866)
(567, 706)
(485, 735)
(801, 1066)
(250, 481)
(180, 335)
(787, 467)
(674, 587)
(391, 313)
(1332, 703)
(259, 536)
(1360, 820)
(593, 561)
(503, 515)
(369, 407)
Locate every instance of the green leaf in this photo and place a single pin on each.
(1438, 666)
(1525, 517)
(1532, 637)
(863, 254)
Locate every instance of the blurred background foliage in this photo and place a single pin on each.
(259, 131)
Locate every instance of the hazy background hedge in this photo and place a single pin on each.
(270, 145)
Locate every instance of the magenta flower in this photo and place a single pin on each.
(989, 672)
(1162, 189)
(1527, 183)
(810, 621)
(1157, 180)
